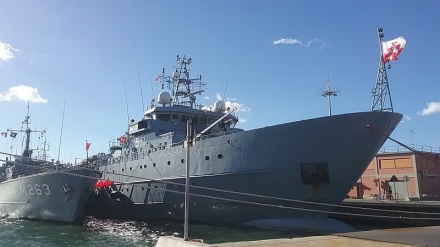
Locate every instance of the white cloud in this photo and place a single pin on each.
(25, 93)
(233, 105)
(283, 41)
(238, 106)
(406, 117)
(7, 51)
(432, 108)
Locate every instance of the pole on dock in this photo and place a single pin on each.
(188, 144)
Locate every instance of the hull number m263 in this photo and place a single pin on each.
(35, 190)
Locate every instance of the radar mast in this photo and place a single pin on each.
(184, 89)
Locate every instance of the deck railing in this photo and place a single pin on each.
(417, 147)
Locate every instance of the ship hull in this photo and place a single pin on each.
(52, 195)
(289, 171)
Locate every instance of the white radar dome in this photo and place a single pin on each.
(164, 98)
(219, 105)
(176, 74)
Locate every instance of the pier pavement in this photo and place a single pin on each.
(395, 231)
(417, 236)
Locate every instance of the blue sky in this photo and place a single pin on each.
(86, 54)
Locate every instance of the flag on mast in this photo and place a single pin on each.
(391, 49)
(13, 134)
(88, 145)
(5, 134)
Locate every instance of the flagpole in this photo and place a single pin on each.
(87, 154)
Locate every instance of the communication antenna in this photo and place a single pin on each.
(140, 87)
(126, 105)
(61, 133)
(381, 92)
(411, 132)
(227, 80)
(328, 93)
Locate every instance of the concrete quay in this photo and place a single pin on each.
(417, 236)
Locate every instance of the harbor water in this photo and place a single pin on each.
(95, 232)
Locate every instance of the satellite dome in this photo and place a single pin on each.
(164, 98)
(219, 105)
(176, 74)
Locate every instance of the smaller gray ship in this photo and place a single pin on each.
(38, 189)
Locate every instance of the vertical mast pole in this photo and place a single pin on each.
(188, 144)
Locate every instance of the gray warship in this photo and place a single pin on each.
(287, 175)
(37, 189)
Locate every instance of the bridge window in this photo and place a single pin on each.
(184, 118)
(163, 117)
(202, 120)
(143, 125)
(176, 117)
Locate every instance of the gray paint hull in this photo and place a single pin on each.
(274, 161)
(48, 196)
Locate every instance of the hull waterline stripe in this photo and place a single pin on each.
(23, 202)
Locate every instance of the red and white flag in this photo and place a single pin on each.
(391, 49)
(88, 145)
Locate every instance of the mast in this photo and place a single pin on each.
(381, 92)
(328, 93)
(27, 152)
(184, 89)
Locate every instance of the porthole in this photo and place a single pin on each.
(182, 161)
(140, 166)
(126, 190)
(206, 157)
(169, 162)
(145, 166)
(113, 171)
(131, 168)
(143, 188)
(228, 141)
(154, 164)
(122, 169)
(220, 156)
